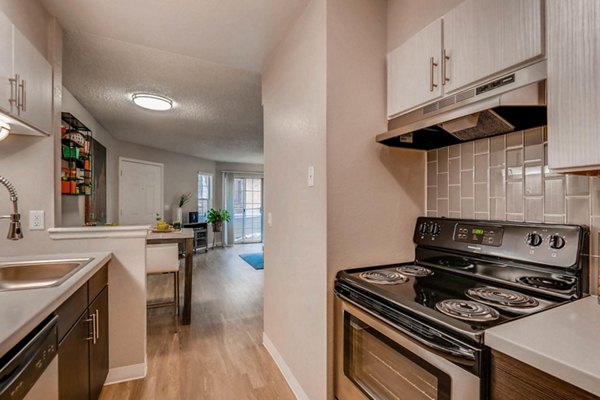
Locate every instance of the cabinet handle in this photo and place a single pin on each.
(432, 65)
(13, 95)
(92, 319)
(18, 86)
(445, 59)
(97, 325)
(23, 95)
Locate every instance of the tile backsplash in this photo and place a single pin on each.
(506, 177)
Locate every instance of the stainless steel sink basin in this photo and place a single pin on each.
(38, 274)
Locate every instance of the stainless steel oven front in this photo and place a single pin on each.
(376, 359)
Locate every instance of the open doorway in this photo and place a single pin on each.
(247, 209)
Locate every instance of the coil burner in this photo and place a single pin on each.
(384, 277)
(414, 270)
(467, 310)
(455, 262)
(501, 297)
(546, 283)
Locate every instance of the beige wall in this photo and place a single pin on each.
(294, 100)
(374, 193)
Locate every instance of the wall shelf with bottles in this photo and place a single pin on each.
(76, 157)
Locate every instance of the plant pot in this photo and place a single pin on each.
(179, 215)
(217, 226)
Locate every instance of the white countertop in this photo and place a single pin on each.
(563, 341)
(23, 310)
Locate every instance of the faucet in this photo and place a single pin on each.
(14, 228)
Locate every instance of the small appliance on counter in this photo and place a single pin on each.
(417, 330)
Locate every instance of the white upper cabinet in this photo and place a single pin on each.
(6, 64)
(573, 85)
(485, 37)
(35, 84)
(25, 81)
(414, 70)
(474, 42)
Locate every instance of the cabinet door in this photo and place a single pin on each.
(573, 84)
(6, 59)
(486, 37)
(414, 71)
(99, 350)
(73, 362)
(36, 76)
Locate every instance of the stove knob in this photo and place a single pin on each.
(435, 229)
(557, 242)
(424, 228)
(533, 239)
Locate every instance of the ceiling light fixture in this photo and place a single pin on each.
(4, 130)
(152, 101)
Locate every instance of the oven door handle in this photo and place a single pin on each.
(457, 354)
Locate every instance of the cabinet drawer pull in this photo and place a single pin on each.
(432, 65)
(94, 336)
(13, 95)
(97, 324)
(24, 95)
(445, 59)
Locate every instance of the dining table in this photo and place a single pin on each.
(184, 236)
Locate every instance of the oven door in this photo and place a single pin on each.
(379, 362)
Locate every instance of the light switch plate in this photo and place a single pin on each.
(269, 219)
(36, 220)
(311, 176)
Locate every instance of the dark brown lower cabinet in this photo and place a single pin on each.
(512, 379)
(99, 350)
(83, 351)
(73, 362)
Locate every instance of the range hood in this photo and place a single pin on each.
(513, 102)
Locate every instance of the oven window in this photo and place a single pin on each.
(384, 370)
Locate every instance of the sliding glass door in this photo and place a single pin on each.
(247, 210)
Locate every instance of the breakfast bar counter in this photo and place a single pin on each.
(184, 236)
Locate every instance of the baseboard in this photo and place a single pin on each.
(127, 373)
(285, 370)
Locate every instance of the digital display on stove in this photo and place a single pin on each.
(485, 235)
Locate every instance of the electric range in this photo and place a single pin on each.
(424, 321)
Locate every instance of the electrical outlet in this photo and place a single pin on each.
(36, 220)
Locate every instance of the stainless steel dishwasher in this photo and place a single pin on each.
(30, 370)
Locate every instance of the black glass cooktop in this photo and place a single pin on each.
(419, 295)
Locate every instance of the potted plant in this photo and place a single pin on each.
(183, 200)
(216, 218)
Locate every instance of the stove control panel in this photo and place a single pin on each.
(478, 234)
(556, 245)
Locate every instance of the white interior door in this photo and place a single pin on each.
(140, 192)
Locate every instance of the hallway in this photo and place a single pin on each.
(220, 355)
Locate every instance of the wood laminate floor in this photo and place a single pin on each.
(220, 355)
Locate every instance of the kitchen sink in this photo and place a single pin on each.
(38, 274)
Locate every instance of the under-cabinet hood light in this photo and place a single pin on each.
(4, 130)
(152, 101)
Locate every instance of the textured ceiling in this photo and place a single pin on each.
(206, 55)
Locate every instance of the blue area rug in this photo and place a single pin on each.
(254, 259)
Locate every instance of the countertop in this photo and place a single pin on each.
(185, 233)
(563, 342)
(23, 310)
